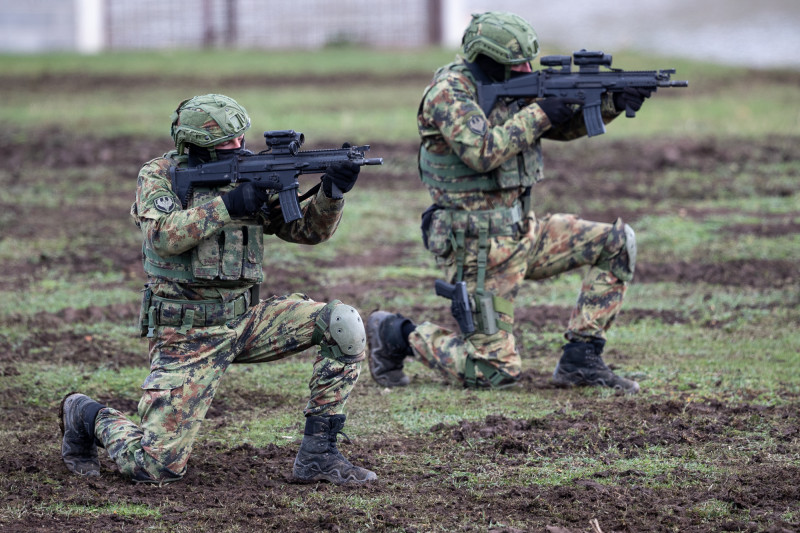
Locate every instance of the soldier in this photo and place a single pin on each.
(202, 312)
(480, 171)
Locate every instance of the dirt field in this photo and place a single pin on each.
(246, 488)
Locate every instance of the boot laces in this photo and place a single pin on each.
(595, 361)
(336, 429)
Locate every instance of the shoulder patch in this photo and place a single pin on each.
(477, 124)
(165, 204)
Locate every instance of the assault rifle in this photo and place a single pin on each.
(275, 168)
(587, 84)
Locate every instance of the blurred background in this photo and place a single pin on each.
(762, 34)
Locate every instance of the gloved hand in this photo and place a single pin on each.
(342, 175)
(631, 97)
(245, 200)
(559, 110)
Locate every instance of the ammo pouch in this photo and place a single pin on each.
(187, 314)
(234, 254)
(447, 172)
(449, 228)
(427, 219)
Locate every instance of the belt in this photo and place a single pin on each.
(496, 222)
(188, 314)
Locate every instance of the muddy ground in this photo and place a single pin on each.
(245, 488)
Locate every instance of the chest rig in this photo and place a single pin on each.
(449, 173)
(230, 258)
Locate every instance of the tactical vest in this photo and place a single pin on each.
(230, 258)
(449, 173)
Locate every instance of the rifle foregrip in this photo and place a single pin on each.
(336, 192)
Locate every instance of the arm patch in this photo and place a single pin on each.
(164, 203)
(477, 124)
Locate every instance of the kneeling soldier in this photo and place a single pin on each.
(202, 313)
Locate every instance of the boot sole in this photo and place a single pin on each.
(566, 381)
(308, 475)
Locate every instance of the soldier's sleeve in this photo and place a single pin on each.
(321, 216)
(169, 228)
(452, 106)
(576, 127)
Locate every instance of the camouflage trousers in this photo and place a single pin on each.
(185, 371)
(551, 245)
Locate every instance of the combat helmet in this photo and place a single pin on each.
(207, 121)
(503, 37)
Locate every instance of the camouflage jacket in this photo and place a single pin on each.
(450, 121)
(169, 230)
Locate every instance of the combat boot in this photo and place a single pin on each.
(79, 445)
(388, 347)
(320, 460)
(581, 364)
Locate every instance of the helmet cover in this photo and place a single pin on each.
(503, 37)
(207, 121)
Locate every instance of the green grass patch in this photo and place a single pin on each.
(54, 380)
(128, 510)
(222, 64)
(677, 238)
(54, 295)
(366, 111)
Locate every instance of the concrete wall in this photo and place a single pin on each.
(762, 34)
(36, 25)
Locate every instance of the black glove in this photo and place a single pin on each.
(631, 97)
(245, 200)
(559, 110)
(343, 175)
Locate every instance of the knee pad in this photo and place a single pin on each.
(340, 333)
(619, 253)
(630, 249)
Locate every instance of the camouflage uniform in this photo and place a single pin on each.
(504, 149)
(186, 361)
(203, 257)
